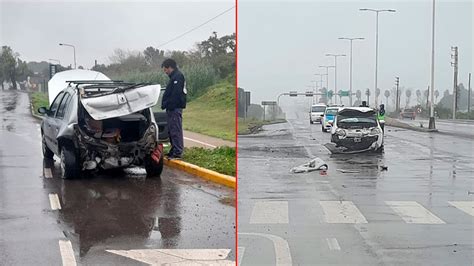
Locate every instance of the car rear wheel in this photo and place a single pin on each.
(153, 168)
(323, 129)
(47, 153)
(69, 164)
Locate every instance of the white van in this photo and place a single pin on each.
(316, 113)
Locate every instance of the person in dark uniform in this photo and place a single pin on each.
(174, 101)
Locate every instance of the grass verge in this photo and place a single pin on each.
(221, 159)
(39, 99)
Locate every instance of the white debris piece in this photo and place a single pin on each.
(313, 165)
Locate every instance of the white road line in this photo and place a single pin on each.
(178, 256)
(414, 213)
(241, 251)
(67, 254)
(344, 212)
(333, 244)
(48, 173)
(270, 212)
(465, 206)
(54, 201)
(200, 142)
(282, 249)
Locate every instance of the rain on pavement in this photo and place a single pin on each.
(412, 204)
(45, 220)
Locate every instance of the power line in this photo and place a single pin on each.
(195, 28)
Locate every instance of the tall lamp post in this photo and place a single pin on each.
(377, 11)
(74, 49)
(350, 74)
(335, 72)
(327, 79)
(431, 124)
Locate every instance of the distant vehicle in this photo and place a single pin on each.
(103, 125)
(316, 113)
(328, 117)
(357, 129)
(408, 113)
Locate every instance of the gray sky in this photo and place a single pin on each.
(96, 28)
(281, 44)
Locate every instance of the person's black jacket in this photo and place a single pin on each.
(175, 93)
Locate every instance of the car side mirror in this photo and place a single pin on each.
(43, 110)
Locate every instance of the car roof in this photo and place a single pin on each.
(321, 104)
(360, 109)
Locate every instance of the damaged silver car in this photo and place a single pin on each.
(103, 125)
(357, 129)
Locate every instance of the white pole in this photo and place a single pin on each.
(432, 118)
(350, 90)
(376, 55)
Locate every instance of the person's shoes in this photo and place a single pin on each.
(175, 157)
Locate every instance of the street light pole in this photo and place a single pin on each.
(327, 81)
(377, 11)
(335, 73)
(350, 74)
(431, 124)
(74, 49)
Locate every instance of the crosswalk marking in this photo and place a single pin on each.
(342, 212)
(240, 251)
(414, 213)
(270, 212)
(465, 206)
(67, 253)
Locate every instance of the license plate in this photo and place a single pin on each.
(356, 139)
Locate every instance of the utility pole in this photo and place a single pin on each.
(335, 75)
(431, 124)
(454, 56)
(469, 95)
(350, 68)
(397, 104)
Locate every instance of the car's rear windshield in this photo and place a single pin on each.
(331, 111)
(319, 109)
(409, 110)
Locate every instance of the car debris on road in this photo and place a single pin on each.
(315, 164)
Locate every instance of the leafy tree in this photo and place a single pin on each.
(12, 67)
(408, 96)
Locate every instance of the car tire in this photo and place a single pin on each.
(47, 153)
(323, 129)
(311, 121)
(69, 164)
(153, 169)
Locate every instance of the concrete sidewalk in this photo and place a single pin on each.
(192, 139)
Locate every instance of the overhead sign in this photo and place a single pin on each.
(343, 93)
(293, 93)
(309, 94)
(269, 103)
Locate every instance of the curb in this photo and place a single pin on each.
(395, 123)
(226, 180)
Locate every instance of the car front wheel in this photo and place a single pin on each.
(69, 165)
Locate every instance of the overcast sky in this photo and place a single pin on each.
(281, 44)
(35, 28)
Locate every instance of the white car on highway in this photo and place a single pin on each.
(357, 129)
(316, 113)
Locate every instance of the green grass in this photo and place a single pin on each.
(213, 113)
(39, 99)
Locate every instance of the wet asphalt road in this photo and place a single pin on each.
(115, 210)
(454, 127)
(406, 215)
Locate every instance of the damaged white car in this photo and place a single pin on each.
(357, 129)
(103, 125)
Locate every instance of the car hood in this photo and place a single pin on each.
(122, 103)
(355, 112)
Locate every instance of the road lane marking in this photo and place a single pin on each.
(54, 201)
(178, 256)
(333, 244)
(48, 173)
(240, 251)
(270, 212)
(344, 212)
(465, 206)
(414, 213)
(282, 249)
(67, 253)
(200, 142)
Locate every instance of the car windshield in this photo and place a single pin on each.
(356, 119)
(319, 109)
(409, 110)
(331, 111)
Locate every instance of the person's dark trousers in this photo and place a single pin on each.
(175, 129)
(382, 125)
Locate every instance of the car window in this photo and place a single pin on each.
(318, 108)
(54, 106)
(331, 111)
(157, 107)
(63, 106)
